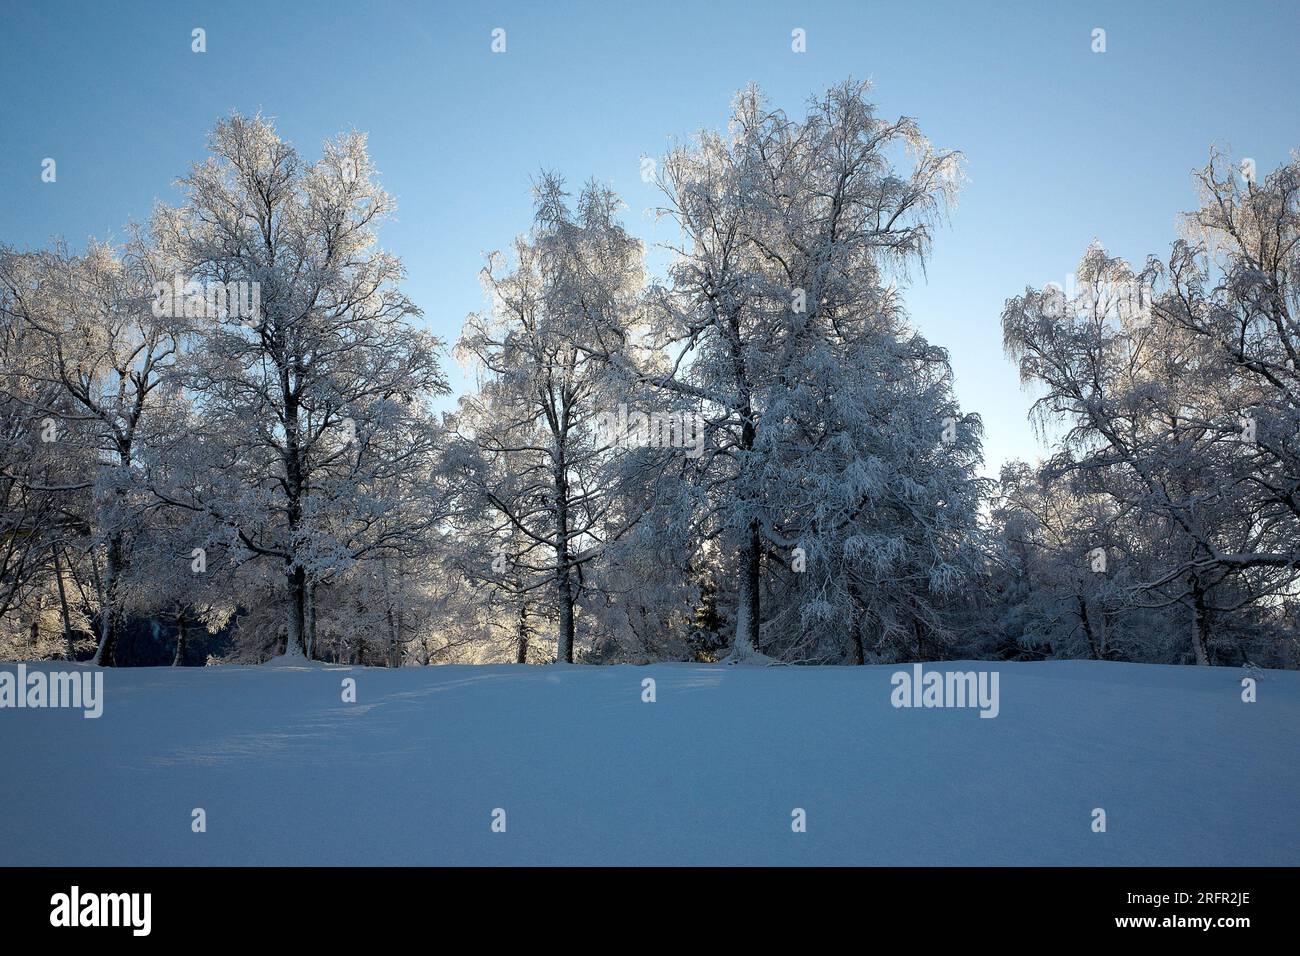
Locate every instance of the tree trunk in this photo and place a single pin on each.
(295, 486)
(749, 603)
(401, 605)
(564, 647)
(392, 635)
(297, 585)
(563, 581)
(109, 619)
(114, 517)
(179, 659)
(310, 621)
(521, 637)
(859, 652)
(1087, 629)
(63, 605)
(1198, 624)
(749, 597)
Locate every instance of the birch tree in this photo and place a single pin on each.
(100, 356)
(793, 235)
(561, 311)
(1175, 386)
(315, 399)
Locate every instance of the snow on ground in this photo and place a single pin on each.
(708, 774)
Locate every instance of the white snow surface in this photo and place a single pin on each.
(707, 774)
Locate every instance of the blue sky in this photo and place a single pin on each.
(1062, 144)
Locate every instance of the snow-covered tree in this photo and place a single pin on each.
(531, 447)
(98, 355)
(825, 411)
(1176, 386)
(314, 398)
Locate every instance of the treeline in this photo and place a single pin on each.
(221, 444)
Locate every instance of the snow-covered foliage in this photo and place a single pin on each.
(838, 475)
(321, 446)
(220, 440)
(1178, 387)
(539, 487)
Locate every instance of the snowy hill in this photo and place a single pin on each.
(710, 772)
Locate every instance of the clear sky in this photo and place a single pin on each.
(1062, 144)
